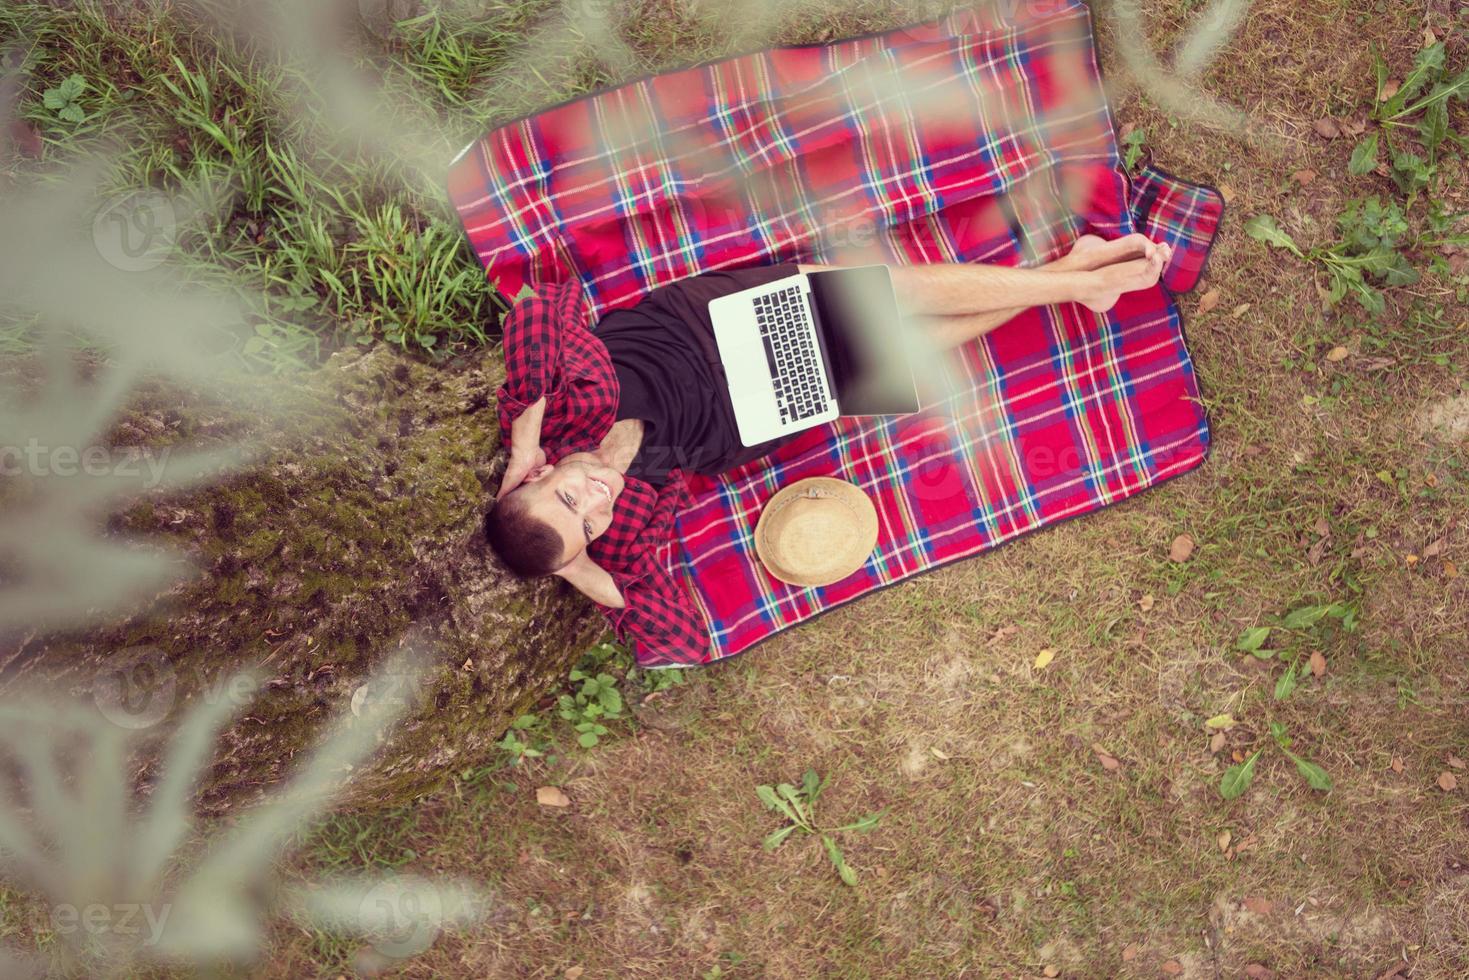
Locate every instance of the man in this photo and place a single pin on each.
(601, 424)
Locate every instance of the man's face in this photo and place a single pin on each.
(575, 497)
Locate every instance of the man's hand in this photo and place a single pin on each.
(519, 466)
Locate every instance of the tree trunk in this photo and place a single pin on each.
(357, 530)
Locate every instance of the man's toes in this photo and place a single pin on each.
(1155, 267)
(1142, 273)
(1134, 245)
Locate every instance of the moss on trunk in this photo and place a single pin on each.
(358, 528)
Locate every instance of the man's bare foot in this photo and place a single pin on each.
(1106, 285)
(1093, 252)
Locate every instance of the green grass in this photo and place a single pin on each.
(1005, 845)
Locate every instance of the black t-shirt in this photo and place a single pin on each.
(670, 376)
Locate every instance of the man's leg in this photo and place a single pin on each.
(956, 302)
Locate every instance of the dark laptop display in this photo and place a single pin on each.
(869, 357)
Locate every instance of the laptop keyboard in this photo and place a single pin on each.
(790, 348)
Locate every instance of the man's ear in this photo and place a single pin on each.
(538, 473)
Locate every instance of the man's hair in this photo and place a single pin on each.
(528, 546)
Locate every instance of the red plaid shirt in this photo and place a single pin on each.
(550, 351)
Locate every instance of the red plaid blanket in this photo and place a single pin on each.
(984, 136)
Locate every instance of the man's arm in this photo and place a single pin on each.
(525, 446)
(593, 581)
(531, 406)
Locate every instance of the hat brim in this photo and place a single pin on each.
(854, 546)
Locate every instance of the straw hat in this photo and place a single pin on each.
(816, 531)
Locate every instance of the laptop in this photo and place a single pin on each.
(803, 350)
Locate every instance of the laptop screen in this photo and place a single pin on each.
(872, 356)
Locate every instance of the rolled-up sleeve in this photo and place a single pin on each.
(539, 333)
(658, 622)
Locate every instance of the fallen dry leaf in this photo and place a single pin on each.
(1182, 548)
(551, 796)
(1259, 971)
(27, 141)
(1321, 527)
(1410, 560)
(1237, 755)
(1454, 761)
(1431, 479)
(1129, 952)
(1173, 968)
(1146, 603)
(1247, 844)
(1226, 192)
(574, 972)
(1317, 551)
(1044, 657)
(1217, 741)
(1223, 841)
(1209, 300)
(1108, 761)
(1389, 89)
(1447, 781)
(1240, 310)
(1433, 549)
(1355, 126)
(1327, 128)
(1429, 38)
(1052, 970)
(1397, 764)
(1450, 570)
(1318, 663)
(1221, 723)
(1303, 177)
(1337, 354)
(1259, 906)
